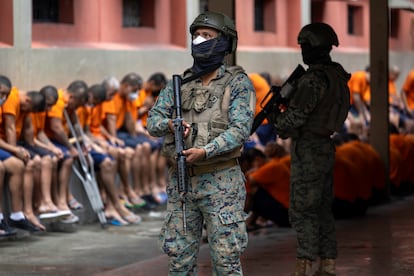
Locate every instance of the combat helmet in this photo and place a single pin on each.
(318, 35)
(219, 22)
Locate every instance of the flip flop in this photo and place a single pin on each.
(74, 204)
(115, 222)
(133, 219)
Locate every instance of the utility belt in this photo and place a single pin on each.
(198, 170)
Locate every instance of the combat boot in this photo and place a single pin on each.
(326, 268)
(303, 267)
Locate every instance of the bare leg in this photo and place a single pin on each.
(46, 202)
(146, 166)
(15, 167)
(107, 174)
(2, 174)
(28, 187)
(63, 189)
(137, 170)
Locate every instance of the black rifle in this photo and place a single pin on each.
(182, 176)
(279, 95)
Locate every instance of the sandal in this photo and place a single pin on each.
(133, 219)
(115, 222)
(126, 203)
(74, 204)
(6, 230)
(138, 202)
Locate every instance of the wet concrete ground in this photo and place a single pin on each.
(381, 243)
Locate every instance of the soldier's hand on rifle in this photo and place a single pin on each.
(194, 154)
(185, 124)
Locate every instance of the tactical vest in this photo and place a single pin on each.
(329, 116)
(205, 108)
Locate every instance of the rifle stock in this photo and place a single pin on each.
(279, 95)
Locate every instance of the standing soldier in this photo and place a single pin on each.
(318, 107)
(217, 108)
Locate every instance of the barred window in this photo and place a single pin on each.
(138, 13)
(53, 11)
(354, 20)
(394, 23)
(264, 15)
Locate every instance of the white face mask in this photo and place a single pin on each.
(199, 39)
(133, 96)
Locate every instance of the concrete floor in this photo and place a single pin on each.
(381, 244)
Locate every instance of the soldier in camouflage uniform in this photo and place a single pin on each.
(218, 110)
(318, 108)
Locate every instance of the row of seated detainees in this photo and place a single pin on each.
(359, 177)
(27, 114)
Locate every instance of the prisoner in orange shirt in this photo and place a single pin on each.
(358, 86)
(148, 94)
(102, 107)
(104, 164)
(265, 132)
(38, 141)
(269, 186)
(16, 116)
(407, 92)
(146, 149)
(15, 168)
(58, 133)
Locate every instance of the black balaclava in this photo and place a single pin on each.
(315, 55)
(209, 54)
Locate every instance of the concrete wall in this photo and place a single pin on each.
(34, 68)
(31, 69)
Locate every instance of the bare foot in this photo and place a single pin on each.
(35, 221)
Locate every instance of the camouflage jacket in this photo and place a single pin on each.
(318, 103)
(240, 113)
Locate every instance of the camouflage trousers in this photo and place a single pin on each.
(311, 196)
(216, 200)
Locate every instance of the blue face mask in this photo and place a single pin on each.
(209, 53)
(2, 101)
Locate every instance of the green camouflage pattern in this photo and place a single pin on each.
(312, 163)
(214, 199)
(311, 196)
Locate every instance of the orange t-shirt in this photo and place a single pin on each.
(405, 146)
(38, 121)
(274, 177)
(56, 112)
(12, 107)
(262, 88)
(396, 166)
(362, 184)
(142, 95)
(344, 177)
(358, 84)
(97, 116)
(122, 106)
(375, 166)
(408, 88)
(84, 116)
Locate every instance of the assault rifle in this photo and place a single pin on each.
(182, 176)
(279, 95)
